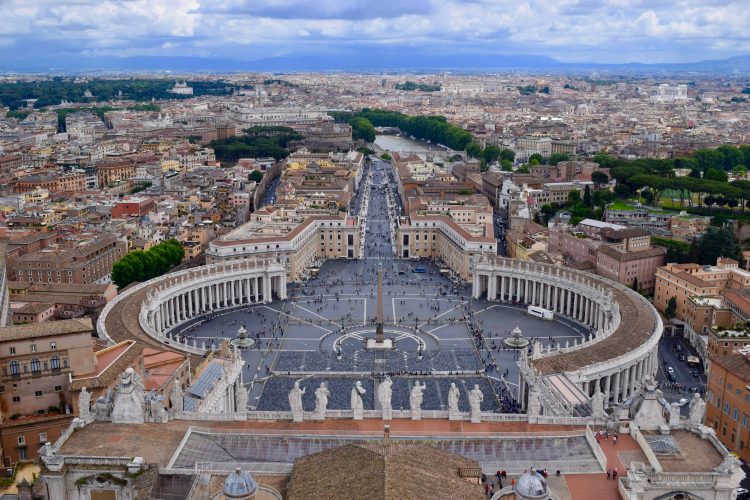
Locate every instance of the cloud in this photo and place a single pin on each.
(572, 30)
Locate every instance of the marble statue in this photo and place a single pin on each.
(385, 393)
(415, 400)
(321, 401)
(176, 397)
(475, 402)
(84, 403)
(358, 405)
(453, 396)
(240, 398)
(674, 414)
(697, 410)
(597, 403)
(295, 402)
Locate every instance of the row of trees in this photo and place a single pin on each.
(435, 129)
(717, 242)
(139, 266)
(256, 142)
(52, 92)
(424, 87)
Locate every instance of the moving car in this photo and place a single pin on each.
(420, 270)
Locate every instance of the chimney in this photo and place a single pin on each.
(387, 435)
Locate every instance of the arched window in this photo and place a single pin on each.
(65, 363)
(35, 366)
(14, 368)
(55, 363)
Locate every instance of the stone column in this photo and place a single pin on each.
(607, 380)
(585, 387)
(624, 386)
(255, 289)
(616, 388)
(266, 289)
(491, 287)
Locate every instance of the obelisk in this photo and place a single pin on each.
(379, 318)
(379, 342)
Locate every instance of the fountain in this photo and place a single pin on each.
(242, 341)
(516, 340)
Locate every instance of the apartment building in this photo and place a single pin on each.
(79, 262)
(38, 361)
(298, 241)
(432, 236)
(728, 400)
(702, 293)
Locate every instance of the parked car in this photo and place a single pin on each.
(696, 373)
(682, 357)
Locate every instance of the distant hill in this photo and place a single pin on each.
(376, 61)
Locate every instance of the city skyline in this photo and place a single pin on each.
(291, 34)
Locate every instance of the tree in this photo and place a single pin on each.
(506, 165)
(622, 191)
(362, 129)
(574, 197)
(139, 266)
(255, 175)
(556, 158)
(605, 160)
(507, 154)
(599, 178)
(647, 195)
(587, 196)
(385, 156)
(536, 157)
(671, 309)
(715, 243)
(714, 174)
(739, 171)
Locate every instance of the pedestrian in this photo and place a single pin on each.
(614, 439)
(609, 473)
(614, 473)
(606, 435)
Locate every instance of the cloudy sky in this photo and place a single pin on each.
(607, 31)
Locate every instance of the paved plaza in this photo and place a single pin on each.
(439, 333)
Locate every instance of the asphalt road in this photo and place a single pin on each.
(685, 383)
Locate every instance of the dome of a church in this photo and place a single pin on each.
(240, 484)
(531, 486)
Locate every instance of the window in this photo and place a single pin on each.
(38, 394)
(33, 347)
(43, 437)
(726, 408)
(21, 440)
(12, 351)
(16, 399)
(735, 414)
(53, 346)
(55, 363)
(14, 367)
(35, 367)
(58, 388)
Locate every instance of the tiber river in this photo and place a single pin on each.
(398, 143)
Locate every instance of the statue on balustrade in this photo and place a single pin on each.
(415, 400)
(176, 397)
(295, 402)
(475, 402)
(240, 398)
(321, 401)
(697, 410)
(357, 402)
(385, 393)
(84, 403)
(453, 396)
(597, 403)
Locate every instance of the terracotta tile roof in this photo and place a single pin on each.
(375, 471)
(46, 329)
(635, 329)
